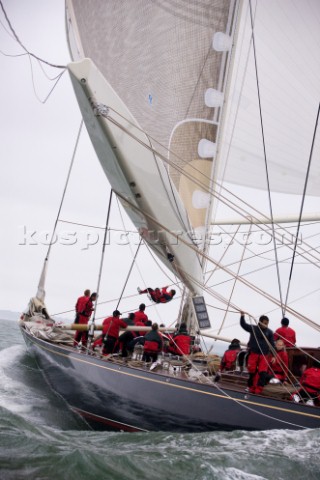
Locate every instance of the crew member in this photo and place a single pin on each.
(180, 341)
(81, 304)
(157, 295)
(309, 392)
(230, 356)
(152, 344)
(110, 331)
(279, 368)
(84, 317)
(260, 342)
(127, 336)
(285, 333)
(140, 314)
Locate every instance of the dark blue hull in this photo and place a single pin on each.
(113, 396)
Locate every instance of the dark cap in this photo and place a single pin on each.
(116, 313)
(235, 341)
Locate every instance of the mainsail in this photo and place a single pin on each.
(166, 66)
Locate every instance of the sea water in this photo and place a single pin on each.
(41, 439)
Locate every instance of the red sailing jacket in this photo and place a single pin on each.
(81, 304)
(86, 310)
(180, 344)
(138, 323)
(287, 334)
(310, 380)
(280, 366)
(165, 296)
(229, 359)
(153, 342)
(112, 325)
(141, 317)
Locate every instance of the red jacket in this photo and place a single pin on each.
(165, 296)
(229, 359)
(280, 366)
(287, 334)
(138, 323)
(310, 380)
(112, 325)
(180, 344)
(153, 342)
(81, 304)
(85, 313)
(140, 316)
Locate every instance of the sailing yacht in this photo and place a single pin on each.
(182, 100)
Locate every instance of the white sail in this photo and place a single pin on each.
(286, 69)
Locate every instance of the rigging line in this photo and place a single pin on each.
(230, 204)
(100, 228)
(248, 273)
(91, 328)
(233, 287)
(302, 203)
(54, 86)
(260, 256)
(222, 256)
(12, 55)
(299, 298)
(45, 73)
(21, 44)
(265, 157)
(160, 267)
(129, 273)
(251, 271)
(65, 188)
(127, 231)
(222, 309)
(252, 286)
(141, 276)
(34, 86)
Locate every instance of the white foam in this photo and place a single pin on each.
(15, 396)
